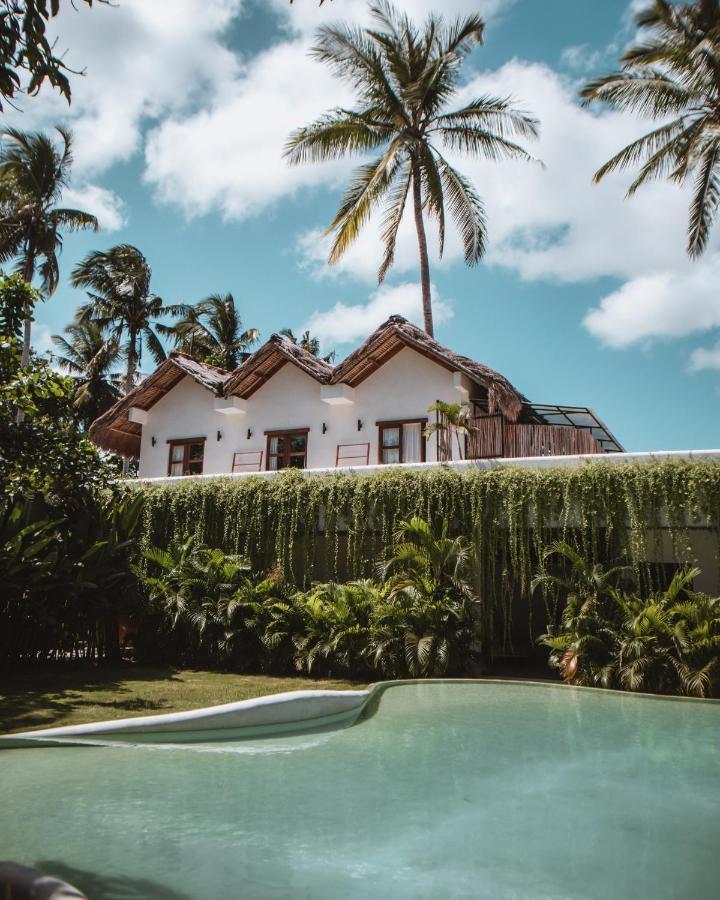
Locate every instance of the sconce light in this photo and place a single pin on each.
(249, 433)
(360, 424)
(324, 429)
(219, 434)
(153, 441)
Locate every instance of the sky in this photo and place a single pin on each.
(584, 297)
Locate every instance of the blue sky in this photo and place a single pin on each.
(584, 298)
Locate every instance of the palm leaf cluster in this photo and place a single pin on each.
(611, 636)
(417, 619)
(672, 75)
(212, 331)
(404, 78)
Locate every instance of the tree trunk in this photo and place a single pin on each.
(422, 245)
(129, 380)
(28, 272)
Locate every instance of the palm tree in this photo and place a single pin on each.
(211, 331)
(118, 283)
(672, 75)
(308, 342)
(404, 79)
(89, 357)
(33, 175)
(454, 418)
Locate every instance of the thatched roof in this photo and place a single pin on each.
(397, 333)
(265, 362)
(113, 431)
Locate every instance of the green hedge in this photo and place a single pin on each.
(337, 525)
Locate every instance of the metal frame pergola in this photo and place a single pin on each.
(577, 417)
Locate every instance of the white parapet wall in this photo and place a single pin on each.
(530, 462)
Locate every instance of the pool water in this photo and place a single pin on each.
(482, 790)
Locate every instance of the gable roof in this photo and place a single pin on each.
(265, 362)
(113, 430)
(397, 333)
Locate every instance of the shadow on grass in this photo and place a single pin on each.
(42, 696)
(110, 887)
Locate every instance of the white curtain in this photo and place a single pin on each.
(412, 435)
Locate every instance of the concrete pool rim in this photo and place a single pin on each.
(273, 714)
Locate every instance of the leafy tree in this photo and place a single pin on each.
(118, 284)
(25, 48)
(672, 75)
(211, 331)
(308, 342)
(405, 78)
(89, 357)
(33, 174)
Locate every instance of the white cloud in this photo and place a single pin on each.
(664, 304)
(41, 338)
(345, 323)
(581, 58)
(99, 201)
(705, 358)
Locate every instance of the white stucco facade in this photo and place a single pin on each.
(400, 390)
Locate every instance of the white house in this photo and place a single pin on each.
(285, 407)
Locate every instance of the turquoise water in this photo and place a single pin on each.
(441, 790)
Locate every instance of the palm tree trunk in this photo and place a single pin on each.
(28, 272)
(422, 245)
(130, 379)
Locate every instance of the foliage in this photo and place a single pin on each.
(404, 79)
(453, 418)
(89, 356)
(118, 284)
(308, 342)
(25, 47)
(211, 331)
(667, 642)
(336, 526)
(67, 580)
(672, 75)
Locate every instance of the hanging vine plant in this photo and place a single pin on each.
(337, 526)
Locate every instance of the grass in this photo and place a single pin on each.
(69, 694)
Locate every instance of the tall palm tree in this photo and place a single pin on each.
(90, 357)
(118, 284)
(308, 342)
(33, 174)
(211, 331)
(672, 75)
(404, 79)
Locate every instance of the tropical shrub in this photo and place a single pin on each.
(665, 642)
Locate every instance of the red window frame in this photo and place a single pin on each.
(399, 423)
(287, 454)
(186, 461)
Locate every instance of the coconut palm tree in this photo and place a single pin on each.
(453, 418)
(405, 78)
(118, 284)
(33, 174)
(672, 75)
(89, 357)
(211, 331)
(308, 342)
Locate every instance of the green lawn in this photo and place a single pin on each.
(67, 694)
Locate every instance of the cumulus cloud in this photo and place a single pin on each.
(705, 358)
(346, 322)
(105, 204)
(663, 304)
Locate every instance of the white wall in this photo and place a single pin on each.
(403, 388)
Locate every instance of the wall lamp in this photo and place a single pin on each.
(360, 424)
(249, 433)
(219, 435)
(153, 441)
(324, 428)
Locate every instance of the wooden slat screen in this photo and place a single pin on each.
(494, 437)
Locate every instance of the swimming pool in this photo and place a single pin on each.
(441, 789)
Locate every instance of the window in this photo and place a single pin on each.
(186, 456)
(287, 449)
(401, 441)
